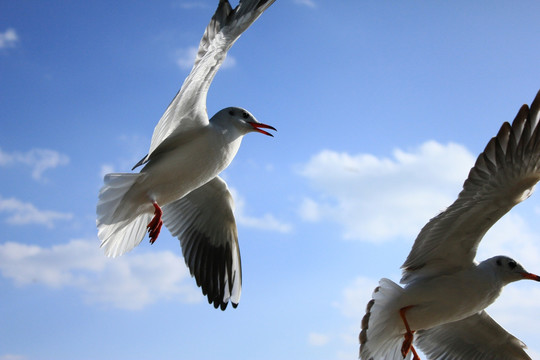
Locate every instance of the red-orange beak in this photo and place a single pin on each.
(530, 276)
(259, 126)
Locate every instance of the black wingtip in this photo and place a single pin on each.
(535, 105)
(141, 162)
(222, 305)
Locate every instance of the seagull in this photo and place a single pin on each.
(441, 307)
(178, 185)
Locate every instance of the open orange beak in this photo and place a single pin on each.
(258, 126)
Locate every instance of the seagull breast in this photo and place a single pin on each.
(187, 161)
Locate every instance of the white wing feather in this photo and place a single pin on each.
(503, 176)
(188, 108)
(203, 221)
(477, 337)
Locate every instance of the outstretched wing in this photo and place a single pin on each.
(204, 223)
(503, 176)
(477, 337)
(188, 108)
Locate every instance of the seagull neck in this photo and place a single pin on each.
(486, 271)
(226, 131)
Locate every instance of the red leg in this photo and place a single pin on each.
(415, 355)
(409, 336)
(154, 226)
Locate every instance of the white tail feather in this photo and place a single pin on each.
(121, 225)
(384, 329)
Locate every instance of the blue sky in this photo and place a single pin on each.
(381, 109)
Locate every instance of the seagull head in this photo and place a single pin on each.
(510, 270)
(240, 119)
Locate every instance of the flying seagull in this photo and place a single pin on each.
(178, 185)
(441, 307)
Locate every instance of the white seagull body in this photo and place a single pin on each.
(441, 307)
(179, 184)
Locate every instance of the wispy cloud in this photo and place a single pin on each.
(266, 222)
(511, 236)
(106, 169)
(186, 57)
(22, 213)
(376, 198)
(12, 357)
(355, 297)
(129, 282)
(39, 160)
(352, 304)
(8, 38)
(308, 3)
(318, 339)
(188, 5)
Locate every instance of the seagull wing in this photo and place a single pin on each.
(187, 111)
(477, 337)
(204, 223)
(504, 175)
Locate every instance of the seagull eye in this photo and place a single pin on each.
(512, 264)
(231, 112)
(245, 115)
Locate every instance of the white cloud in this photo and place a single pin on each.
(186, 58)
(229, 62)
(129, 282)
(515, 306)
(318, 339)
(38, 159)
(266, 222)
(375, 198)
(352, 305)
(308, 3)
(8, 38)
(106, 169)
(12, 357)
(310, 210)
(22, 213)
(188, 5)
(355, 297)
(511, 236)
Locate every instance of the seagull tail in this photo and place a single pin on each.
(382, 330)
(121, 223)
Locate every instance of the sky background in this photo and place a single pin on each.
(381, 109)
